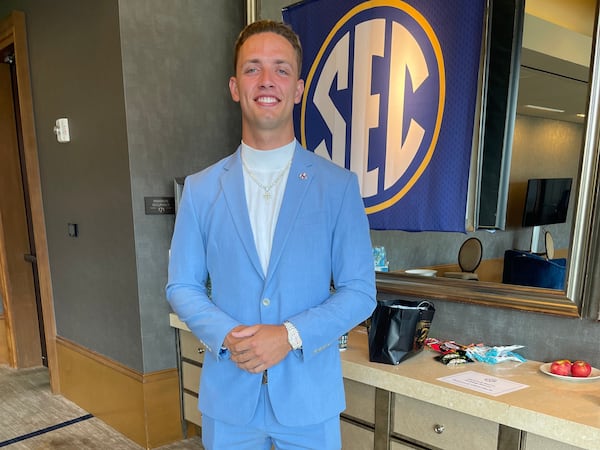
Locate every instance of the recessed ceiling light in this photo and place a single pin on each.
(581, 115)
(545, 108)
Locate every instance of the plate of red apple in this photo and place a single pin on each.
(571, 371)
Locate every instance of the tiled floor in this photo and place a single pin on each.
(31, 417)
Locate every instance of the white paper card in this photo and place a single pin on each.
(481, 382)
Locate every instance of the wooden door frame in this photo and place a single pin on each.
(13, 32)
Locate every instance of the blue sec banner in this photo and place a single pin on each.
(391, 93)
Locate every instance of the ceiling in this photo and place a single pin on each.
(574, 15)
(550, 76)
(558, 87)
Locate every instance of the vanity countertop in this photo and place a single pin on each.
(563, 410)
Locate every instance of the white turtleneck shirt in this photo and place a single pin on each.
(265, 177)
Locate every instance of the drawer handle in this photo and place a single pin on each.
(439, 429)
(201, 350)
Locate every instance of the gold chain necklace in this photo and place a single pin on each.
(267, 194)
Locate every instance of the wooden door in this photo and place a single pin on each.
(19, 291)
(24, 340)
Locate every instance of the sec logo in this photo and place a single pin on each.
(374, 98)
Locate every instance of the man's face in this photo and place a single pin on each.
(266, 83)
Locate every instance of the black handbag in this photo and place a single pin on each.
(398, 329)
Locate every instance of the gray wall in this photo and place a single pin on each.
(144, 85)
(75, 61)
(177, 60)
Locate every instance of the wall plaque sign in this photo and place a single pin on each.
(159, 205)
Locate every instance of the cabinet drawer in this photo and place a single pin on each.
(419, 420)
(360, 401)
(536, 442)
(191, 347)
(401, 446)
(355, 437)
(190, 409)
(191, 376)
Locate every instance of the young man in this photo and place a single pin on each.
(271, 226)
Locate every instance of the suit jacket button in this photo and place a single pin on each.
(266, 302)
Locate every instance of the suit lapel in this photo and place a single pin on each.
(299, 179)
(232, 183)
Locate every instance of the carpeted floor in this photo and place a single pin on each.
(31, 417)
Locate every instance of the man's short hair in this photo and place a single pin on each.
(269, 26)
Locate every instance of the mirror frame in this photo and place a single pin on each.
(578, 299)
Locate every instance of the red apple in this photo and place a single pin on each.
(561, 367)
(581, 369)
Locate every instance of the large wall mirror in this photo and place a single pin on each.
(555, 136)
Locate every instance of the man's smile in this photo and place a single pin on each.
(265, 99)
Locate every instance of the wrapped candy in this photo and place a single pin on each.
(452, 353)
(495, 355)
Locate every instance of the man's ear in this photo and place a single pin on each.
(299, 91)
(233, 89)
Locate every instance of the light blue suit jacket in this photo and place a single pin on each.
(322, 233)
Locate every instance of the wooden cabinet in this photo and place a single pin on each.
(191, 357)
(380, 420)
(392, 419)
(376, 419)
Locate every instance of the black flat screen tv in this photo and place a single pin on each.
(546, 201)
